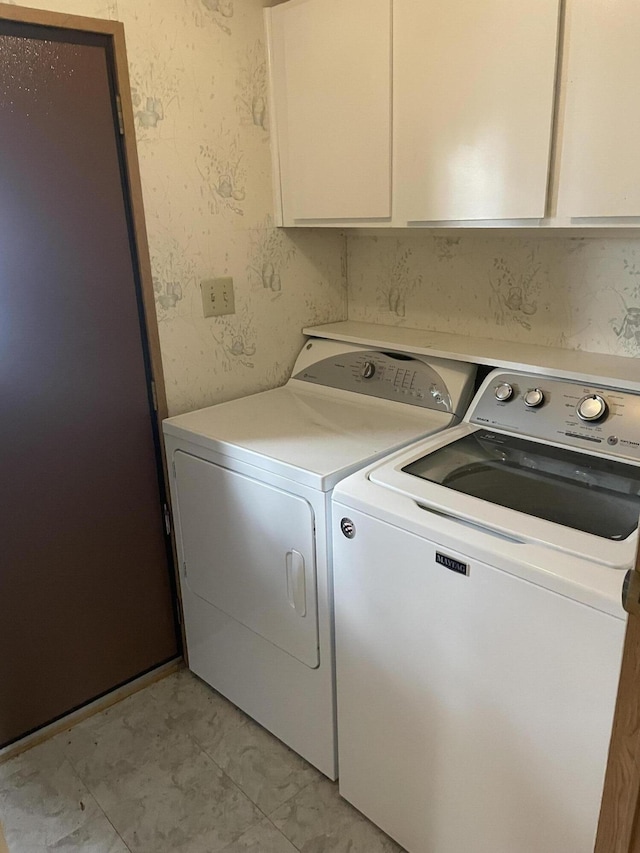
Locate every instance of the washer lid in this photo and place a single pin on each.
(583, 492)
(465, 475)
(314, 437)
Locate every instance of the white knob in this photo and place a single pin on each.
(503, 392)
(368, 370)
(533, 398)
(593, 407)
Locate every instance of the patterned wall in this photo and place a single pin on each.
(198, 80)
(574, 290)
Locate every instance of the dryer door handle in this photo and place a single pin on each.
(296, 583)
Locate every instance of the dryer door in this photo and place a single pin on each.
(248, 548)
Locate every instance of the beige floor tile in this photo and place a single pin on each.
(42, 800)
(126, 751)
(188, 704)
(96, 836)
(195, 808)
(318, 820)
(266, 770)
(262, 838)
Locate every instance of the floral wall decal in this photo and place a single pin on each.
(445, 248)
(514, 293)
(397, 280)
(173, 274)
(270, 252)
(220, 12)
(251, 99)
(223, 172)
(627, 325)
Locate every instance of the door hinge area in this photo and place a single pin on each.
(154, 395)
(184, 568)
(167, 520)
(120, 116)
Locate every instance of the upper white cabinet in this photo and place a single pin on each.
(598, 168)
(330, 67)
(401, 112)
(473, 101)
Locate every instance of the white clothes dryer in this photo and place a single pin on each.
(479, 624)
(251, 481)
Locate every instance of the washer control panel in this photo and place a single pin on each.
(586, 416)
(390, 376)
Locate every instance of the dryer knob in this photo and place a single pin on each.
(368, 369)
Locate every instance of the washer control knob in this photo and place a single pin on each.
(503, 392)
(593, 407)
(368, 369)
(534, 398)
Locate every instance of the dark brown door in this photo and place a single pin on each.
(85, 592)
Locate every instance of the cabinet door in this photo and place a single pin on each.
(331, 89)
(599, 142)
(473, 107)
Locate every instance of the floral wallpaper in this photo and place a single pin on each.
(574, 290)
(198, 80)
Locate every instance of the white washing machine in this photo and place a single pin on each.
(250, 483)
(479, 626)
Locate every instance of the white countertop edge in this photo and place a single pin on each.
(622, 372)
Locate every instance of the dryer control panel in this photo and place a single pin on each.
(603, 420)
(390, 376)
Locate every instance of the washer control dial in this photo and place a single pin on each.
(368, 369)
(534, 398)
(593, 407)
(503, 392)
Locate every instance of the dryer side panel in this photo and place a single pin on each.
(249, 550)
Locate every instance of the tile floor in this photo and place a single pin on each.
(175, 768)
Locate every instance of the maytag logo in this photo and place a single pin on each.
(453, 565)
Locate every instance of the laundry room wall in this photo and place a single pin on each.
(576, 290)
(197, 71)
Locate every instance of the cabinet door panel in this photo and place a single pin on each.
(473, 108)
(600, 116)
(331, 70)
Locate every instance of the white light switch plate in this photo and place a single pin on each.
(217, 296)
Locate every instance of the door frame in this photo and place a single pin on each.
(141, 261)
(619, 824)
